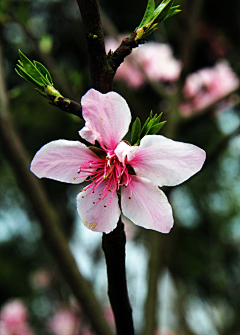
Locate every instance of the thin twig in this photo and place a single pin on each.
(125, 48)
(66, 105)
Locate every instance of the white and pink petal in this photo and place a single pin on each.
(166, 162)
(100, 216)
(146, 205)
(107, 116)
(89, 134)
(124, 151)
(60, 160)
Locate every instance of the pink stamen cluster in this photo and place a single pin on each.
(109, 170)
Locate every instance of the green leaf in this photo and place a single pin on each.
(42, 93)
(155, 129)
(153, 17)
(44, 72)
(136, 130)
(145, 126)
(158, 118)
(173, 11)
(162, 10)
(31, 69)
(25, 75)
(148, 13)
(150, 124)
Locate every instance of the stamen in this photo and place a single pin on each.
(109, 170)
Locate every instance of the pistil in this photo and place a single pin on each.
(109, 170)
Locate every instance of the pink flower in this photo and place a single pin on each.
(157, 62)
(13, 319)
(152, 61)
(135, 171)
(207, 86)
(64, 322)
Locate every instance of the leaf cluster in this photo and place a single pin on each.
(154, 16)
(150, 127)
(36, 74)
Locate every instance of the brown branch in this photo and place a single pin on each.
(99, 70)
(113, 245)
(66, 105)
(114, 242)
(125, 48)
(48, 218)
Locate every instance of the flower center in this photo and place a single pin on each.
(109, 171)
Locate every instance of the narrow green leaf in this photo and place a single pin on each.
(44, 72)
(162, 10)
(172, 11)
(31, 69)
(42, 93)
(20, 75)
(136, 130)
(151, 29)
(162, 7)
(149, 125)
(148, 13)
(155, 129)
(25, 75)
(158, 118)
(145, 126)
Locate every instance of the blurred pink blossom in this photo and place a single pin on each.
(13, 319)
(64, 322)
(166, 332)
(41, 278)
(108, 313)
(151, 61)
(207, 86)
(157, 62)
(130, 228)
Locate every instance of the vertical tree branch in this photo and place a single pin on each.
(100, 75)
(114, 242)
(48, 218)
(114, 249)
